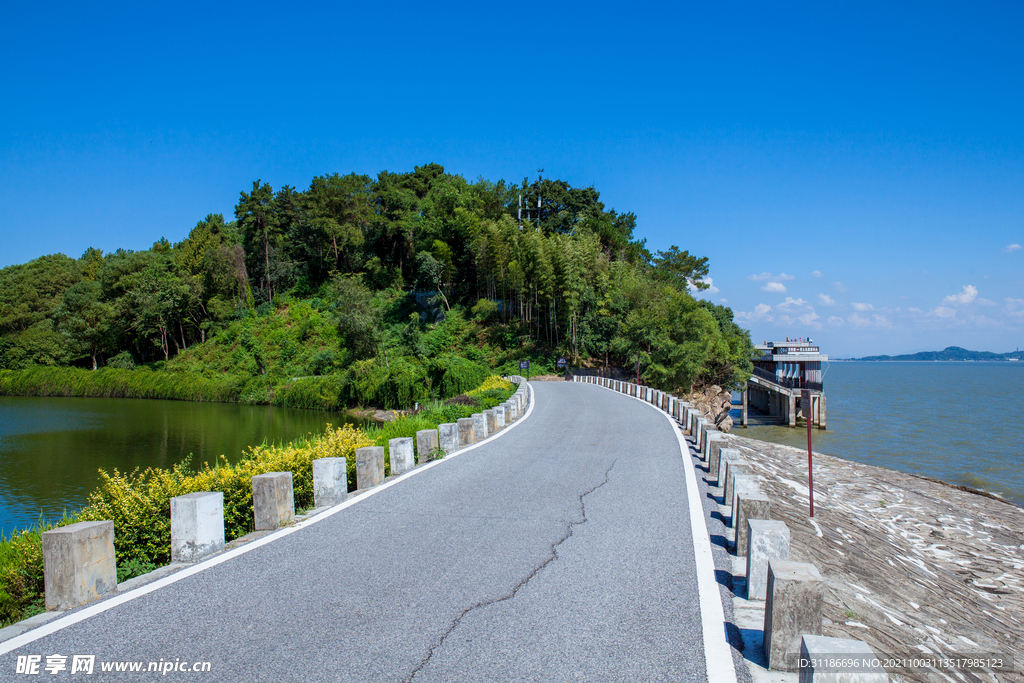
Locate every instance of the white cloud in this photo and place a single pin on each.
(760, 312)
(1015, 307)
(815, 273)
(869, 321)
(943, 312)
(965, 297)
(840, 287)
(861, 307)
(710, 282)
(826, 300)
(790, 303)
(986, 302)
(769, 276)
(774, 287)
(1012, 248)
(723, 301)
(835, 320)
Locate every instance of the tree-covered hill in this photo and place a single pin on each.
(362, 283)
(947, 354)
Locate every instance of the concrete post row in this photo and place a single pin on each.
(499, 417)
(793, 610)
(78, 564)
(197, 525)
(273, 499)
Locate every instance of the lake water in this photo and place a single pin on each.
(52, 448)
(962, 422)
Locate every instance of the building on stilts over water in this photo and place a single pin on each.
(787, 382)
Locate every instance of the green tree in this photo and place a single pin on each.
(84, 320)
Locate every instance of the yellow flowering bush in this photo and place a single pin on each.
(139, 503)
(494, 382)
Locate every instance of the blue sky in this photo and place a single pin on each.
(853, 172)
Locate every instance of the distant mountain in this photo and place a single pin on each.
(951, 353)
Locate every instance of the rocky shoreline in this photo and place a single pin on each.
(913, 566)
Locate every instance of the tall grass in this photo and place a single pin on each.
(118, 383)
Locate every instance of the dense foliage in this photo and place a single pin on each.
(386, 291)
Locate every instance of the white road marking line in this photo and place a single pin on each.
(717, 651)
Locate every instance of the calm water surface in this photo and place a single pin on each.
(52, 448)
(962, 423)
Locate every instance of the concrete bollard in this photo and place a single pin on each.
(467, 432)
(816, 651)
(330, 481)
(742, 483)
(511, 414)
(714, 442)
(767, 540)
(426, 444)
(402, 457)
(197, 526)
(448, 438)
(78, 564)
(480, 426)
(725, 456)
(748, 506)
(273, 500)
(793, 609)
(492, 421)
(369, 472)
(733, 468)
(499, 417)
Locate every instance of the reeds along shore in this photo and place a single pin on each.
(138, 502)
(396, 386)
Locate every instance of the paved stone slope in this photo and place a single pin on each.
(912, 565)
(558, 552)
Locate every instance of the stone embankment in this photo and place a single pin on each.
(912, 566)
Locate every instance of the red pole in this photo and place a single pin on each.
(810, 462)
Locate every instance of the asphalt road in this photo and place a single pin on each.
(560, 551)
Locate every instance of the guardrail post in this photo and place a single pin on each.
(426, 444)
(793, 609)
(467, 431)
(369, 466)
(273, 500)
(78, 564)
(448, 438)
(753, 505)
(767, 540)
(197, 525)
(402, 457)
(330, 481)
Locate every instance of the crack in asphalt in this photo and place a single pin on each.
(515, 589)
